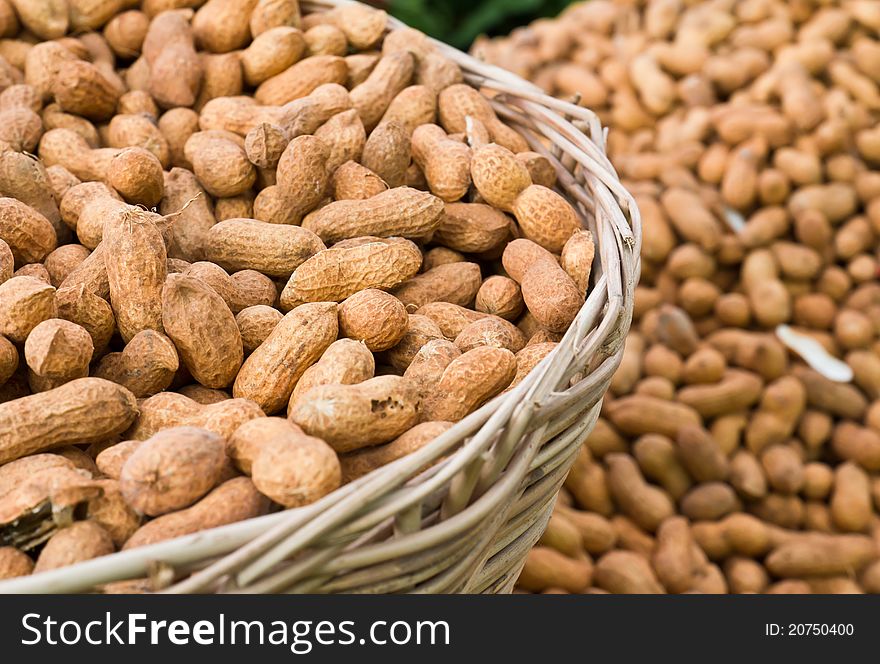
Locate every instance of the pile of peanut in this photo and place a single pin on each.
(732, 455)
(247, 256)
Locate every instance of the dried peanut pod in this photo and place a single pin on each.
(499, 176)
(469, 381)
(402, 212)
(301, 79)
(472, 227)
(345, 136)
(444, 161)
(420, 330)
(25, 302)
(391, 75)
(547, 568)
(255, 323)
(82, 411)
(345, 415)
(490, 331)
(172, 470)
(551, 295)
(411, 108)
(14, 563)
(203, 329)
(577, 258)
(268, 14)
(500, 296)
(639, 414)
(271, 372)
(345, 362)
(137, 175)
(275, 250)
(457, 283)
(351, 181)
(294, 469)
(334, 274)
(359, 463)
(377, 318)
(26, 232)
(271, 52)
(234, 500)
(450, 318)
(110, 460)
(174, 68)
(458, 101)
(387, 152)
(82, 540)
(145, 366)
(57, 351)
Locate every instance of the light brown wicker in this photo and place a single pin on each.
(465, 525)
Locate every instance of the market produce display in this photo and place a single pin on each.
(247, 256)
(739, 447)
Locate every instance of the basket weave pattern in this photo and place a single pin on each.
(467, 523)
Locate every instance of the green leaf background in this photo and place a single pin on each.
(459, 22)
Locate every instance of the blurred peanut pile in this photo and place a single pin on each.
(739, 447)
(248, 255)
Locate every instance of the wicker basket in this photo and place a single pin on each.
(466, 524)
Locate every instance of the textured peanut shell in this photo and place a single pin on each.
(134, 256)
(301, 79)
(345, 362)
(25, 302)
(255, 324)
(222, 167)
(345, 136)
(577, 258)
(185, 198)
(472, 228)
(245, 444)
(468, 382)
(61, 262)
(428, 365)
(391, 75)
(491, 331)
(58, 349)
(145, 366)
(175, 70)
(551, 295)
(82, 540)
(111, 460)
(137, 175)
(26, 179)
(48, 19)
(203, 329)
(419, 331)
(402, 212)
(168, 409)
(363, 25)
(454, 282)
(375, 317)
(27, 233)
(444, 161)
(350, 417)
(8, 359)
(351, 181)
(112, 513)
(271, 372)
(545, 217)
(450, 318)
(387, 152)
(274, 250)
(234, 500)
(82, 411)
(78, 305)
(412, 107)
(265, 143)
(326, 40)
(457, 102)
(14, 563)
(500, 296)
(529, 357)
(80, 88)
(172, 469)
(336, 273)
(296, 469)
(7, 262)
(357, 464)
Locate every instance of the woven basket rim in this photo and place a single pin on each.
(591, 348)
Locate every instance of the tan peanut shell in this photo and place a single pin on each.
(172, 470)
(300, 79)
(359, 463)
(472, 227)
(545, 217)
(169, 409)
(134, 256)
(145, 366)
(351, 181)
(551, 295)
(450, 318)
(271, 372)
(491, 331)
(345, 362)
(110, 460)
(80, 541)
(388, 151)
(255, 323)
(419, 331)
(25, 302)
(80, 306)
(82, 411)
(243, 446)
(374, 317)
(345, 416)
(27, 233)
(402, 212)
(275, 250)
(296, 469)
(336, 273)
(444, 161)
(427, 366)
(499, 296)
(14, 563)
(112, 513)
(454, 282)
(203, 329)
(58, 351)
(234, 500)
